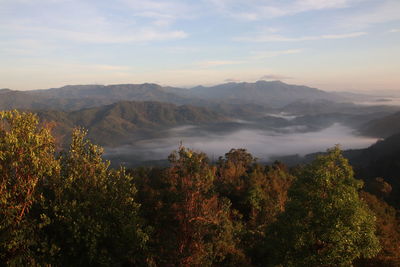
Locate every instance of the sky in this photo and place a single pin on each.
(334, 45)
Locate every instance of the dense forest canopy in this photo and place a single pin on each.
(69, 208)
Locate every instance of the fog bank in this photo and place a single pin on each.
(262, 144)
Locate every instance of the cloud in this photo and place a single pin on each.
(385, 11)
(183, 49)
(87, 22)
(110, 67)
(275, 53)
(232, 80)
(394, 31)
(255, 55)
(99, 36)
(162, 13)
(259, 10)
(342, 36)
(274, 77)
(216, 63)
(260, 37)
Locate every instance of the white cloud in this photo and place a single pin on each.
(162, 13)
(258, 10)
(394, 30)
(216, 63)
(262, 37)
(109, 67)
(183, 49)
(269, 54)
(85, 22)
(232, 80)
(342, 36)
(254, 56)
(104, 35)
(275, 77)
(385, 11)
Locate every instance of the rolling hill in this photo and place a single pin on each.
(382, 127)
(125, 121)
(379, 160)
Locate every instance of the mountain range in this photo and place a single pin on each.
(272, 94)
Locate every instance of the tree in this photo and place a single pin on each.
(233, 179)
(89, 214)
(196, 226)
(325, 222)
(388, 232)
(26, 159)
(257, 192)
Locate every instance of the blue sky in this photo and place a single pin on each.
(342, 45)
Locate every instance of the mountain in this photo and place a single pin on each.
(123, 122)
(118, 92)
(74, 97)
(29, 100)
(381, 160)
(5, 90)
(382, 127)
(271, 93)
(326, 112)
(350, 96)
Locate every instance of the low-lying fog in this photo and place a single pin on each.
(261, 143)
(388, 101)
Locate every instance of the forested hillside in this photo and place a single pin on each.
(122, 122)
(382, 127)
(71, 209)
(379, 166)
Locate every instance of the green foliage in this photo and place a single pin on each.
(90, 216)
(258, 194)
(192, 224)
(206, 233)
(233, 179)
(26, 158)
(325, 223)
(388, 232)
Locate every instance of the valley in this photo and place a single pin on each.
(143, 123)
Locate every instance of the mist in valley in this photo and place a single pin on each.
(380, 100)
(263, 144)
